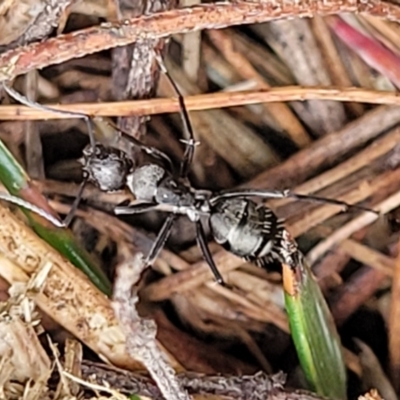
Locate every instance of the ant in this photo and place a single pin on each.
(243, 227)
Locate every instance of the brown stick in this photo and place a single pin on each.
(203, 102)
(355, 292)
(394, 326)
(248, 387)
(327, 150)
(164, 24)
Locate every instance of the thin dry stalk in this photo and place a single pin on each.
(303, 223)
(328, 149)
(296, 45)
(236, 143)
(355, 292)
(360, 160)
(204, 102)
(368, 256)
(353, 226)
(285, 118)
(333, 62)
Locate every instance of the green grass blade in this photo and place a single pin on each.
(17, 182)
(314, 333)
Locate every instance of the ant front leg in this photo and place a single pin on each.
(75, 204)
(189, 141)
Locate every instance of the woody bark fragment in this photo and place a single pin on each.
(135, 70)
(67, 295)
(160, 25)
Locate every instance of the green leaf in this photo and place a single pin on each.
(17, 182)
(314, 333)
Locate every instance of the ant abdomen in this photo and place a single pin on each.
(246, 229)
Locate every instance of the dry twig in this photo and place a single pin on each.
(204, 102)
(141, 333)
(167, 23)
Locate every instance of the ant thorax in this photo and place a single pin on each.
(143, 182)
(245, 228)
(152, 183)
(106, 167)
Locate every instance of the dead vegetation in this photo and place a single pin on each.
(260, 126)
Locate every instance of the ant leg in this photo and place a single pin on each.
(75, 204)
(273, 194)
(202, 242)
(135, 208)
(160, 240)
(189, 142)
(89, 123)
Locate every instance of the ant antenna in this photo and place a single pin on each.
(190, 143)
(275, 194)
(146, 149)
(89, 123)
(33, 104)
(346, 206)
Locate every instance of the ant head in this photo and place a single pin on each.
(107, 168)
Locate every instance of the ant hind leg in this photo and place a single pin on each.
(202, 242)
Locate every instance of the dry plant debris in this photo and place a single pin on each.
(277, 100)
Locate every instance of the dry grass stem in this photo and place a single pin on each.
(360, 160)
(285, 118)
(353, 226)
(368, 256)
(328, 149)
(204, 102)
